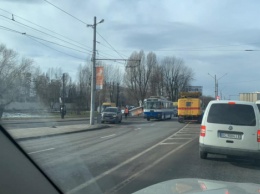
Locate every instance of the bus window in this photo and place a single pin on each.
(188, 104)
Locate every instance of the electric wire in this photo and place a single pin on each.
(65, 12)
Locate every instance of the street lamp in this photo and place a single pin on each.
(216, 83)
(93, 82)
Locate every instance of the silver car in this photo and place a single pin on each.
(111, 114)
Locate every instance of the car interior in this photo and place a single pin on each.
(19, 173)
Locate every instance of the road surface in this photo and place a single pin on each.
(130, 156)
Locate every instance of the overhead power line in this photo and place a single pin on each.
(110, 45)
(34, 37)
(56, 49)
(83, 23)
(45, 33)
(20, 23)
(44, 28)
(65, 12)
(55, 43)
(164, 50)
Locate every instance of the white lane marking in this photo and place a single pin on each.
(131, 178)
(41, 151)
(183, 134)
(180, 138)
(171, 143)
(137, 129)
(87, 183)
(108, 136)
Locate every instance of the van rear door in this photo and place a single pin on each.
(232, 125)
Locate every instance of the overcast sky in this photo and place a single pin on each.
(211, 36)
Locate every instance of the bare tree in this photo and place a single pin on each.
(176, 76)
(12, 76)
(156, 86)
(48, 86)
(205, 100)
(84, 87)
(138, 74)
(113, 79)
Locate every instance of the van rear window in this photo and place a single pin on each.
(232, 114)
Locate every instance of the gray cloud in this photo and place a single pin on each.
(23, 1)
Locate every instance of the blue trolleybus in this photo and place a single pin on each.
(158, 108)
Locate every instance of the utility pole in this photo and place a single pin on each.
(117, 95)
(216, 87)
(63, 97)
(216, 83)
(93, 81)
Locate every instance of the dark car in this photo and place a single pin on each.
(111, 114)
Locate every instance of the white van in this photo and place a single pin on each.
(230, 128)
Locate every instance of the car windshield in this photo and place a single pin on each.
(232, 114)
(108, 96)
(110, 110)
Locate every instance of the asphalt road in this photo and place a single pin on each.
(33, 123)
(132, 155)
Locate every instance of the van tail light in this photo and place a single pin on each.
(203, 131)
(227, 192)
(258, 135)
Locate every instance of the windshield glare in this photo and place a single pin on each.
(110, 96)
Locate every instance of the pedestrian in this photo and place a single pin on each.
(126, 112)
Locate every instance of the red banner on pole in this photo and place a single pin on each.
(99, 77)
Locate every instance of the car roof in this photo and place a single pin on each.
(231, 101)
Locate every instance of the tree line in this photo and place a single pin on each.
(143, 76)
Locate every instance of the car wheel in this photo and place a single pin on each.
(102, 121)
(116, 121)
(120, 120)
(148, 119)
(180, 120)
(203, 155)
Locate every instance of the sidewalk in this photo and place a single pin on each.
(33, 133)
(40, 120)
(50, 119)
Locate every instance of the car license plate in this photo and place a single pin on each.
(230, 135)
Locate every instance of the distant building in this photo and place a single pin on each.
(250, 97)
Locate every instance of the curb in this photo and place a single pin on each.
(57, 134)
(30, 120)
